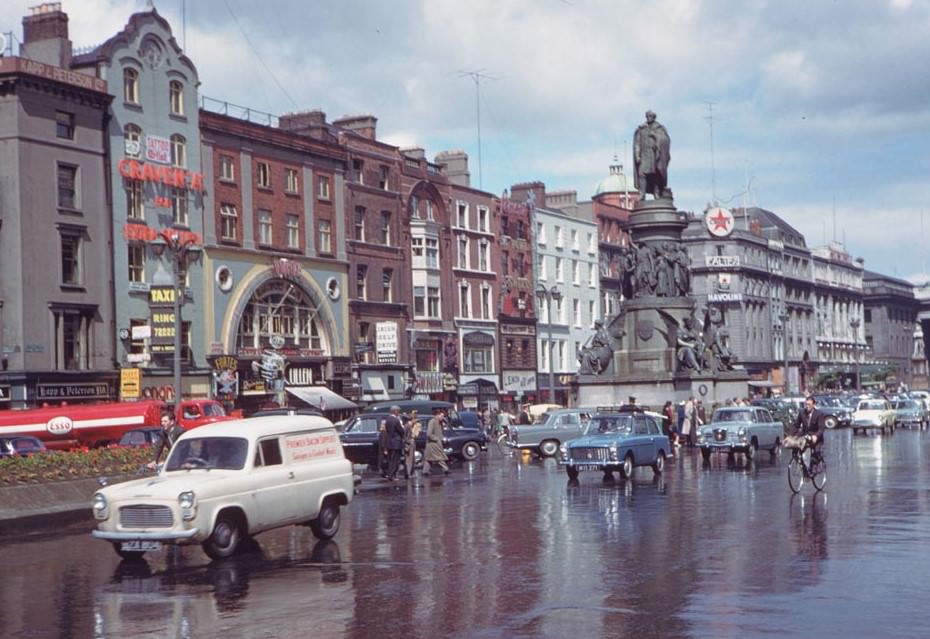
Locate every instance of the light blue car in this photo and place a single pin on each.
(619, 442)
(740, 429)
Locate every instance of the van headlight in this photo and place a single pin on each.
(101, 507)
(187, 502)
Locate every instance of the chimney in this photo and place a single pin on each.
(45, 35)
(456, 166)
(363, 125)
(303, 122)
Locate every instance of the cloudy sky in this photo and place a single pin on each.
(818, 110)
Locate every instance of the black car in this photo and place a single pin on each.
(149, 436)
(20, 446)
(360, 439)
(424, 407)
(836, 412)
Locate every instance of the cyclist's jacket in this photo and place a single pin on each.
(809, 423)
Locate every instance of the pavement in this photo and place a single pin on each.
(61, 503)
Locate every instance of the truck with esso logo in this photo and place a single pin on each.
(91, 425)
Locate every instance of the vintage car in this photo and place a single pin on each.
(740, 429)
(359, 439)
(225, 482)
(20, 446)
(551, 430)
(873, 414)
(148, 436)
(910, 412)
(617, 441)
(836, 412)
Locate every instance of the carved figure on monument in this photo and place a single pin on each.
(690, 347)
(627, 271)
(721, 359)
(645, 273)
(682, 270)
(596, 354)
(651, 155)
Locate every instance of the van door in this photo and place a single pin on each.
(274, 487)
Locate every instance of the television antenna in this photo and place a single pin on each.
(477, 76)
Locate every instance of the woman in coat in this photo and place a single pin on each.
(411, 432)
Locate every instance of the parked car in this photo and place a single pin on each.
(617, 441)
(228, 481)
(551, 430)
(424, 408)
(782, 411)
(836, 412)
(910, 412)
(20, 446)
(873, 414)
(469, 419)
(740, 429)
(148, 436)
(359, 439)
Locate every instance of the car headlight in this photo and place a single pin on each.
(187, 502)
(101, 507)
(700, 438)
(614, 454)
(741, 433)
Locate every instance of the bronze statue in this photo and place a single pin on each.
(595, 356)
(690, 347)
(651, 157)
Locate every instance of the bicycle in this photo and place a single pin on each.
(806, 462)
(504, 444)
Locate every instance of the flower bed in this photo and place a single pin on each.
(56, 465)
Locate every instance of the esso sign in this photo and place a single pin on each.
(59, 425)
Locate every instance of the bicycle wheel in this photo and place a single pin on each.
(795, 474)
(504, 445)
(818, 472)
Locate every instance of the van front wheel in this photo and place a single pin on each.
(326, 524)
(223, 543)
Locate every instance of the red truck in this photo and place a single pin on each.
(79, 425)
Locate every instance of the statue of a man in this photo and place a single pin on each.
(650, 157)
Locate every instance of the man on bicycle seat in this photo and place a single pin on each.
(809, 423)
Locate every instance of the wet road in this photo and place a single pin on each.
(507, 548)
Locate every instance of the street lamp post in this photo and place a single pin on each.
(784, 346)
(183, 248)
(854, 323)
(550, 294)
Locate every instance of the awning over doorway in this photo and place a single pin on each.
(321, 397)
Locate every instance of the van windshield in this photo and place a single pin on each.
(228, 453)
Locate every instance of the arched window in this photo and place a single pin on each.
(132, 137)
(282, 310)
(178, 150)
(131, 86)
(176, 96)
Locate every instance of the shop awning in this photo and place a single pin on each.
(373, 390)
(321, 397)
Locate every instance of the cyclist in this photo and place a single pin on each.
(809, 423)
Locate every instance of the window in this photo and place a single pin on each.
(358, 171)
(263, 175)
(386, 228)
(229, 222)
(292, 185)
(176, 97)
(426, 301)
(484, 263)
(543, 269)
(325, 235)
(293, 231)
(432, 301)
(483, 215)
(429, 210)
(361, 282)
(477, 359)
(387, 279)
(419, 301)
(432, 252)
(559, 270)
(265, 230)
(592, 275)
(464, 300)
(414, 207)
(576, 312)
(131, 86)
(135, 199)
(71, 258)
(227, 168)
(540, 233)
(461, 215)
(485, 302)
(574, 239)
(132, 141)
(559, 240)
(463, 252)
(178, 150)
(384, 178)
(67, 186)
(592, 245)
(64, 125)
(322, 187)
(360, 223)
(179, 206)
(418, 259)
(505, 262)
(576, 272)
(136, 255)
(70, 346)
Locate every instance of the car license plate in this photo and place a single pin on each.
(140, 545)
(587, 466)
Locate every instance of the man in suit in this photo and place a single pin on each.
(394, 435)
(810, 422)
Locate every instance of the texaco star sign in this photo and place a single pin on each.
(719, 221)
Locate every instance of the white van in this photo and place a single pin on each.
(227, 481)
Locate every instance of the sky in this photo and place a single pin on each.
(817, 110)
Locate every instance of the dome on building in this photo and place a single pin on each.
(616, 182)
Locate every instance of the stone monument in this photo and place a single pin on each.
(659, 346)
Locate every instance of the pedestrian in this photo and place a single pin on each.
(394, 436)
(689, 425)
(524, 417)
(382, 449)
(411, 432)
(170, 431)
(668, 413)
(701, 413)
(434, 451)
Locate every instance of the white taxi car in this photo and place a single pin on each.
(227, 481)
(872, 414)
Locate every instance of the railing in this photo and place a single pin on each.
(239, 112)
